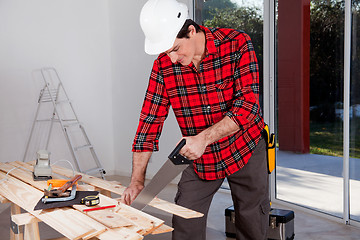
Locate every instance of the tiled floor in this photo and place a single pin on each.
(307, 226)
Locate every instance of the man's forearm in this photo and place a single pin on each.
(140, 162)
(195, 145)
(221, 129)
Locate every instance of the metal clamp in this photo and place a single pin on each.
(14, 227)
(273, 222)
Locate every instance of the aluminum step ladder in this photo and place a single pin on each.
(53, 93)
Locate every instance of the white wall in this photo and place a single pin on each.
(131, 68)
(72, 36)
(98, 49)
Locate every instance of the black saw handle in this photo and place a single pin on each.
(177, 158)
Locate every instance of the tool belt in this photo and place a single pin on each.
(270, 148)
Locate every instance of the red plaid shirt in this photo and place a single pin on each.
(226, 84)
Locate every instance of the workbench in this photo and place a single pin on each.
(119, 222)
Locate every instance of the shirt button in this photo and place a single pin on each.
(204, 88)
(209, 107)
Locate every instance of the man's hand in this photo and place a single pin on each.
(194, 148)
(131, 193)
(140, 162)
(196, 145)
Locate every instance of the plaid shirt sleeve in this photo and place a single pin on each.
(245, 106)
(153, 114)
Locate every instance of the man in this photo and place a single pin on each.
(210, 78)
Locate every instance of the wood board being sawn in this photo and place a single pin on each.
(25, 196)
(121, 222)
(117, 188)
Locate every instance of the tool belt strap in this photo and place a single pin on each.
(270, 148)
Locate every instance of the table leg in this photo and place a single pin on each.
(31, 231)
(15, 230)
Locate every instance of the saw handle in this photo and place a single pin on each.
(176, 157)
(70, 183)
(178, 147)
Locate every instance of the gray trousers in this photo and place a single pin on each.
(250, 195)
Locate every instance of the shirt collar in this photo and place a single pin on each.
(210, 45)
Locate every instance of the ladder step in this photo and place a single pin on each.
(82, 147)
(46, 100)
(69, 120)
(68, 125)
(58, 120)
(47, 120)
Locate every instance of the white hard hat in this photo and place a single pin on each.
(161, 20)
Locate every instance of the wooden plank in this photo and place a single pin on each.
(22, 172)
(110, 218)
(174, 209)
(120, 233)
(127, 217)
(25, 174)
(3, 199)
(141, 219)
(94, 181)
(117, 188)
(27, 218)
(31, 231)
(71, 223)
(163, 229)
(24, 218)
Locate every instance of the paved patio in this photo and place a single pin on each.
(315, 181)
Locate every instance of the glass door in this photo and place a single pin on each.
(309, 106)
(354, 115)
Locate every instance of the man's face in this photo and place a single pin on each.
(182, 51)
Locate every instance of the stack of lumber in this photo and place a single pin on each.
(121, 222)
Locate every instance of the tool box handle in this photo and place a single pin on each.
(177, 158)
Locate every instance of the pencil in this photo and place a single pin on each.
(98, 208)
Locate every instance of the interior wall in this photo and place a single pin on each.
(98, 49)
(131, 68)
(72, 36)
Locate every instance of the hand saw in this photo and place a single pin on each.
(175, 164)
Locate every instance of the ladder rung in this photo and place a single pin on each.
(58, 120)
(83, 146)
(44, 100)
(69, 120)
(72, 124)
(50, 95)
(47, 120)
(95, 170)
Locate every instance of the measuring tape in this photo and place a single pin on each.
(90, 200)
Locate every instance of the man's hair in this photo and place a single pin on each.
(184, 31)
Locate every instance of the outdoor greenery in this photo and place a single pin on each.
(327, 138)
(247, 19)
(326, 64)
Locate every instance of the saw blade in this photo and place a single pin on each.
(171, 168)
(161, 179)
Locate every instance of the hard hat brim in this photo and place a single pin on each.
(154, 48)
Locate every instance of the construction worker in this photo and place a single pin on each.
(210, 78)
